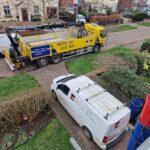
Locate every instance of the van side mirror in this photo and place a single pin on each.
(58, 87)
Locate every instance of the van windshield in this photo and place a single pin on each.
(67, 79)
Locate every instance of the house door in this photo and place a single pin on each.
(24, 14)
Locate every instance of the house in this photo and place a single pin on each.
(133, 4)
(143, 5)
(25, 10)
(102, 5)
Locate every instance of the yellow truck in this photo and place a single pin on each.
(53, 46)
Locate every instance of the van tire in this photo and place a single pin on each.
(96, 48)
(55, 59)
(87, 133)
(54, 95)
(42, 62)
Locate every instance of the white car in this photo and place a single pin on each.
(80, 19)
(148, 12)
(102, 117)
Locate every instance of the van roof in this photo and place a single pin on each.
(101, 100)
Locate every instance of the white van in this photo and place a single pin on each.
(103, 118)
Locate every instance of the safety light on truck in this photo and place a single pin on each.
(105, 139)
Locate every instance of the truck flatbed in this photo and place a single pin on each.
(51, 36)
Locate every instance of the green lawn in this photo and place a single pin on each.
(147, 24)
(87, 63)
(123, 28)
(53, 137)
(16, 84)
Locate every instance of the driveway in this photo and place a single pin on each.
(130, 38)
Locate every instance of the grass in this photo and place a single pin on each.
(123, 28)
(147, 24)
(53, 137)
(86, 63)
(14, 85)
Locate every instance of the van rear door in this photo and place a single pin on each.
(118, 122)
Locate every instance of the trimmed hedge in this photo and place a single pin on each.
(14, 112)
(109, 19)
(127, 82)
(138, 17)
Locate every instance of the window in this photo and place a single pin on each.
(64, 89)
(6, 10)
(36, 10)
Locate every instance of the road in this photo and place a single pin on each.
(131, 38)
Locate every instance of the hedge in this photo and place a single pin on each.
(127, 82)
(109, 19)
(24, 108)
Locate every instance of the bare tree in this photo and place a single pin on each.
(45, 7)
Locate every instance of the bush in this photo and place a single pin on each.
(146, 46)
(24, 108)
(36, 19)
(127, 82)
(138, 17)
(143, 64)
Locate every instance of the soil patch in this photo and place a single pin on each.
(25, 132)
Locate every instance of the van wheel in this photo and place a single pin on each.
(96, 48)
(87, 133)
(42, 62)
(54, 95)
(56, 59)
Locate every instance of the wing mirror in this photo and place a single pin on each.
(58, 87)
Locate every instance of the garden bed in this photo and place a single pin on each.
(120, 79)
(26, 113)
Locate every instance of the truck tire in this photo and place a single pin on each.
(42, 62)
(96, 48)
(54, 95)
(1, 55)
(56, 59)
(87, 133)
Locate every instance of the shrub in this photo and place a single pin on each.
(127, 82)
(24, 108)
(36, 19)
(138, 17)
(143, 64)
(146, 46)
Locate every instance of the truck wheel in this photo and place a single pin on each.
(96, 48)
(42, 62)
(56, 59)
(87, 133)
(54, 95)
(1, 55)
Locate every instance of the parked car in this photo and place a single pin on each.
(102, 117)
(148, 12)
(80, 19)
